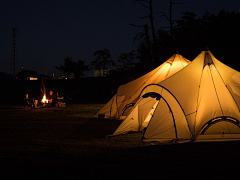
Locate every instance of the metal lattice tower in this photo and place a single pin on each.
(14, 53)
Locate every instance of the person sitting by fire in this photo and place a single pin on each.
(53, 98)
(28, 101)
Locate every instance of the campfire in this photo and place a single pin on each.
(52, 100)
(46, 102)
(44, 99)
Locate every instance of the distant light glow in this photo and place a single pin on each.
(33, 79)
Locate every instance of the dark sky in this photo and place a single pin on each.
(51, 30)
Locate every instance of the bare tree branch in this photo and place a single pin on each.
(169, 18)
(137, 25)
(164, 15)
(140, 2)
(144, 17)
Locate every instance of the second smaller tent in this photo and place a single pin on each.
(128, 94)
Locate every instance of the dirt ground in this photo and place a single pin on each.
(67, 143)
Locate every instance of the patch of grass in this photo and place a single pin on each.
(69, 143)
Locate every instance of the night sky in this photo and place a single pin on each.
(49, 31)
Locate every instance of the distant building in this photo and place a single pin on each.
(30, 75)
(101, 73)
(64, 76)
(4, 76)
(27, 75)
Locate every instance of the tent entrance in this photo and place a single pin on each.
(168, 124)
(222, 125)
(220, 129)
(152, 95)
(147, 108)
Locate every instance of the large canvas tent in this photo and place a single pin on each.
(199, 103)
(128, 94)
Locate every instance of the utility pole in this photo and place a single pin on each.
(170, 18)
(14, 53)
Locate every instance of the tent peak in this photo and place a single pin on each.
(206, 49)
(207, 59)
(177, 52)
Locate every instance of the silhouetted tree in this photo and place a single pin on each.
(169, 17)
(127, 60)
(166, 46)
(70, 66)
(102, 60)
(79, 68)
(219, 32)
(144, 48)
(148, 4)
(67, 67)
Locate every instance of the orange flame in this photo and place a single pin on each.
(44, 100)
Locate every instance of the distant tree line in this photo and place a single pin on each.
(189, 35)
(77, 68)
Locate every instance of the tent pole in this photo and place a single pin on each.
(216, 90)
(148, 123)
(172, 117)
(228, 89)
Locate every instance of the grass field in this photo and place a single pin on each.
(67, 143)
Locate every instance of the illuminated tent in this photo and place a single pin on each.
(199, 103)
(128, 94)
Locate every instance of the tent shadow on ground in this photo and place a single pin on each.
(95, 128)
